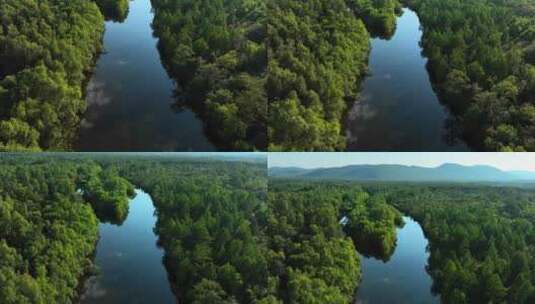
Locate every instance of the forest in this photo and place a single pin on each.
(47, 49)
(216, 52)
(482, 239)
(116, 10)
(318, 54)
(227, 239)
(482, 60)
(48, 230)
(278, 75)
(316, 232)
(50, 207)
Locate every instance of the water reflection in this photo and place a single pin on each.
(130, 268)
(129, 96)
(398, 109)
(403, 279)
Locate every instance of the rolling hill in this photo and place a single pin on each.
(444, 173)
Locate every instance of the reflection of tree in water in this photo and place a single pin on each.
(372, 223)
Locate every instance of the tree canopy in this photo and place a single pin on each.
(47, 48)
(318, 54)
(216, 52)
(48, 232)
(481, 57)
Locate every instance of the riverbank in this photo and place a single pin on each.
(130, 97)
(129, 260)
(397, 108)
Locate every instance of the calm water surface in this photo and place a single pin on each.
(130, 94)
(130, 263)
(403, 278)
(398, 109)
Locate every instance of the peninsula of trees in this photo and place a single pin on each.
(318, 53)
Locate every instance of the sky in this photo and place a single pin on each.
(504, 161)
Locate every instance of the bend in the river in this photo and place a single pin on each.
(398, 109)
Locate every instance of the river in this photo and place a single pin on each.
(130, 95)
(403, 279)
(397, 109)
(129, 262)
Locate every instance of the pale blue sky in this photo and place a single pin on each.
(504, 161)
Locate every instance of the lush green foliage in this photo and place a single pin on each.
(227, 240)
(216, 52)
(318, 54)
(47, 48)
(482, 58)
(482, 240)
(47, 232)
(371, 222)
(108, 193)
(208, 226)
(379, 16)
(315, 261)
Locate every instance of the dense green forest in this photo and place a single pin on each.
(318, 53)
(208, 227)
(277, 75)
(47, 48)
(314, 233)
(48, 231)
(482, 59)
(116, 10)
(107, 192)
(227, 239)
(482, 240)
(49, 207)
(216, 52)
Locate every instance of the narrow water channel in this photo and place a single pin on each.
(129, 262)
(397, 109)
(129, 96)
(403, 279)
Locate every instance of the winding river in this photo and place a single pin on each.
(130, 95)
(403, 279)
(398, 109)
(129, 261)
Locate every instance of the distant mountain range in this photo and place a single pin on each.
(399, 173)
